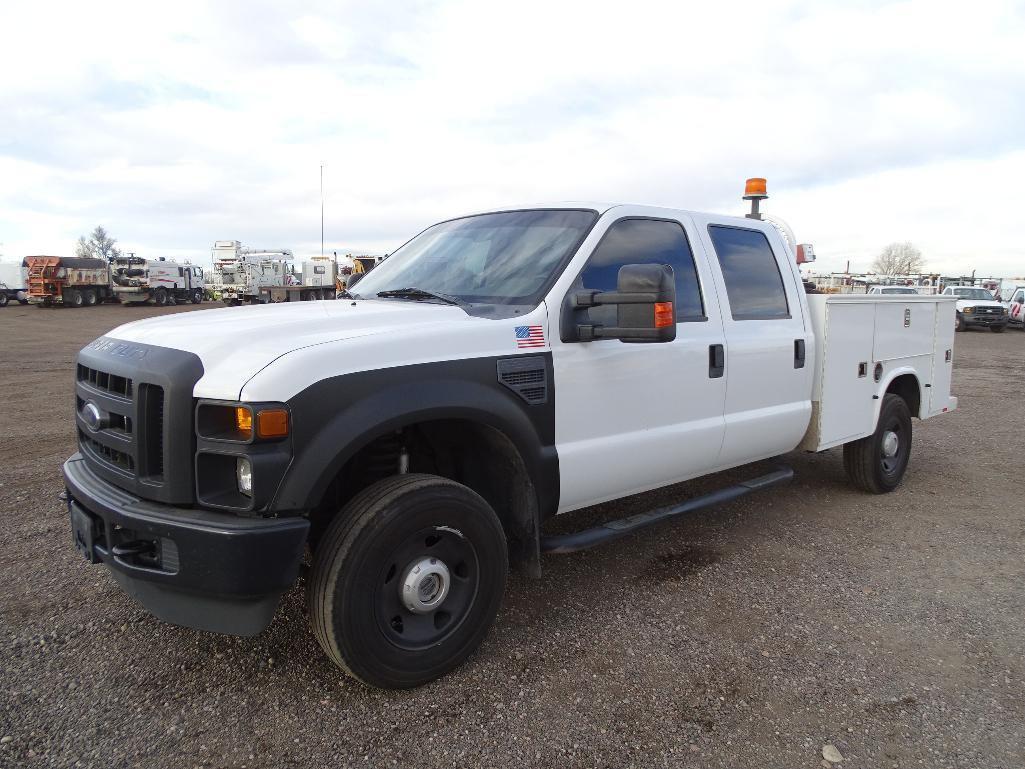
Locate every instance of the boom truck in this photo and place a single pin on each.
(415, 438)
(240, 273)
(137, 280)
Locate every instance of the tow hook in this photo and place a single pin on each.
(134, 548)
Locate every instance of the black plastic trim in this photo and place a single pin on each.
(336, 417)
(222, 572)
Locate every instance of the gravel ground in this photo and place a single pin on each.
(753, 634)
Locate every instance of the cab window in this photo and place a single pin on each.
(754, 284)
(644, 241)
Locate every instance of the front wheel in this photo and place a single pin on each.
(3, 298)
(877, 462)
(407, 580)
(197, 296)
(997, 329)
(160, 297)
(959, 323)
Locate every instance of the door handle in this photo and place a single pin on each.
(798, 353)
(716, 361)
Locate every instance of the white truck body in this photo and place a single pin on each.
(138, 280)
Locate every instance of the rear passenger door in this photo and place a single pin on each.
(631, 417)
(769, 349)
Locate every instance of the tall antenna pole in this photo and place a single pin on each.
(322, 209)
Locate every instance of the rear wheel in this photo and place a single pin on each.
(88, 297)
(73, 298)
(3, 299)
(877, 462)
(407, 580)
(197, 296)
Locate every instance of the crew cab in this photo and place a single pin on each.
(977, 307)
(495, 371)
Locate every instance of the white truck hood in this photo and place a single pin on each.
(234, 343)
(962, 303)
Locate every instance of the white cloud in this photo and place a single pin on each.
(177, 125)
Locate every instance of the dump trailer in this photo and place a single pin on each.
(75, 281)
(137, 280)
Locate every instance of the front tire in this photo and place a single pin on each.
(407, 580)
(997, 329)
(3, 299)
(959, 323)
(197, 296)
(160, 297)
(877, 462)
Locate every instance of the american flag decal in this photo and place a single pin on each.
(530, 336)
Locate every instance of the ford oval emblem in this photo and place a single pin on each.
(92, 416)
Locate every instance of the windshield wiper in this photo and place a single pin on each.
(420, 293)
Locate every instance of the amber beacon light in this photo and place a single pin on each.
(754, 190)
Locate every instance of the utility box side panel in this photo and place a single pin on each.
(846, 409)
(904, 329)
(940, 399)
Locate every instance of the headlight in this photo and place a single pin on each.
(244, 473)
(968, 310)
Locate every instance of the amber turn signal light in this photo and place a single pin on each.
(663, 314)
(272, 423)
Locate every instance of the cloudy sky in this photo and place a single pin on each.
(175, 124)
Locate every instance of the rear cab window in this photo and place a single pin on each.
(754, 284)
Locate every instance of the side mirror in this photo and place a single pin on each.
(645, 301)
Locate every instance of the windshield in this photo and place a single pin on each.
(508, 258)
(973, 293)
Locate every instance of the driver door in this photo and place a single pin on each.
(635, 416)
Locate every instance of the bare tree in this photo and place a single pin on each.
(899, 259)
(99, 245)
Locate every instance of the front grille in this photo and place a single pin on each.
(101, 380)
(131, 439)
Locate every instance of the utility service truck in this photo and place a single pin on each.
(316, 281)
(239, 273)
(75, 281)
(137, 280)
(497, 370)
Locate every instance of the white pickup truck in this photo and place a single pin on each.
(495, 371)
(977, 307)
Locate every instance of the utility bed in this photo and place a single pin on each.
(910, 335)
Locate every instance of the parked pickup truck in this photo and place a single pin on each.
(495, 371)
(977, 307)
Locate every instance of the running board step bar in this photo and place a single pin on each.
(607, 532)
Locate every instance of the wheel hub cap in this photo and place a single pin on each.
(890, 444)
(425, 585)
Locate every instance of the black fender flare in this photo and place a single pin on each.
(335, 418)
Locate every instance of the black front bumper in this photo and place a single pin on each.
(984, 320)
(206, 570)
